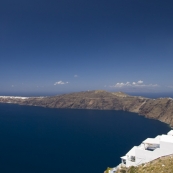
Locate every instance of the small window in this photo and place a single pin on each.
(124, 161)
(132, 158)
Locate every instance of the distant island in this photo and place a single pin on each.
(160, 109)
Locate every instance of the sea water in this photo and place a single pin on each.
(44, 140)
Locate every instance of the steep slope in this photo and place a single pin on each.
(161, 109)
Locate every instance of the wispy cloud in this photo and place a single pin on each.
(60, 83)
(76, 75)
(139, 83)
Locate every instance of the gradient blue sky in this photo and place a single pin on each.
(55, 46)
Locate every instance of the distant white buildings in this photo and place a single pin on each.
(13, 97)
(148, 150)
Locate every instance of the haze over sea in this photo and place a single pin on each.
(35, 139)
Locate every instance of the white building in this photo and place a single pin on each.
(148, 150)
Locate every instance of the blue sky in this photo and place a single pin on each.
(60, 46)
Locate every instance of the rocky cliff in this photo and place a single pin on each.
(161, 108)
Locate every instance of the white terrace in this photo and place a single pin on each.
(150, 149)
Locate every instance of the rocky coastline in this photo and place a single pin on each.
(160, 109)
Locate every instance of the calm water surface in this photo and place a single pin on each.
(43, 140)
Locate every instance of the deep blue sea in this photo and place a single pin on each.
(43, 140)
